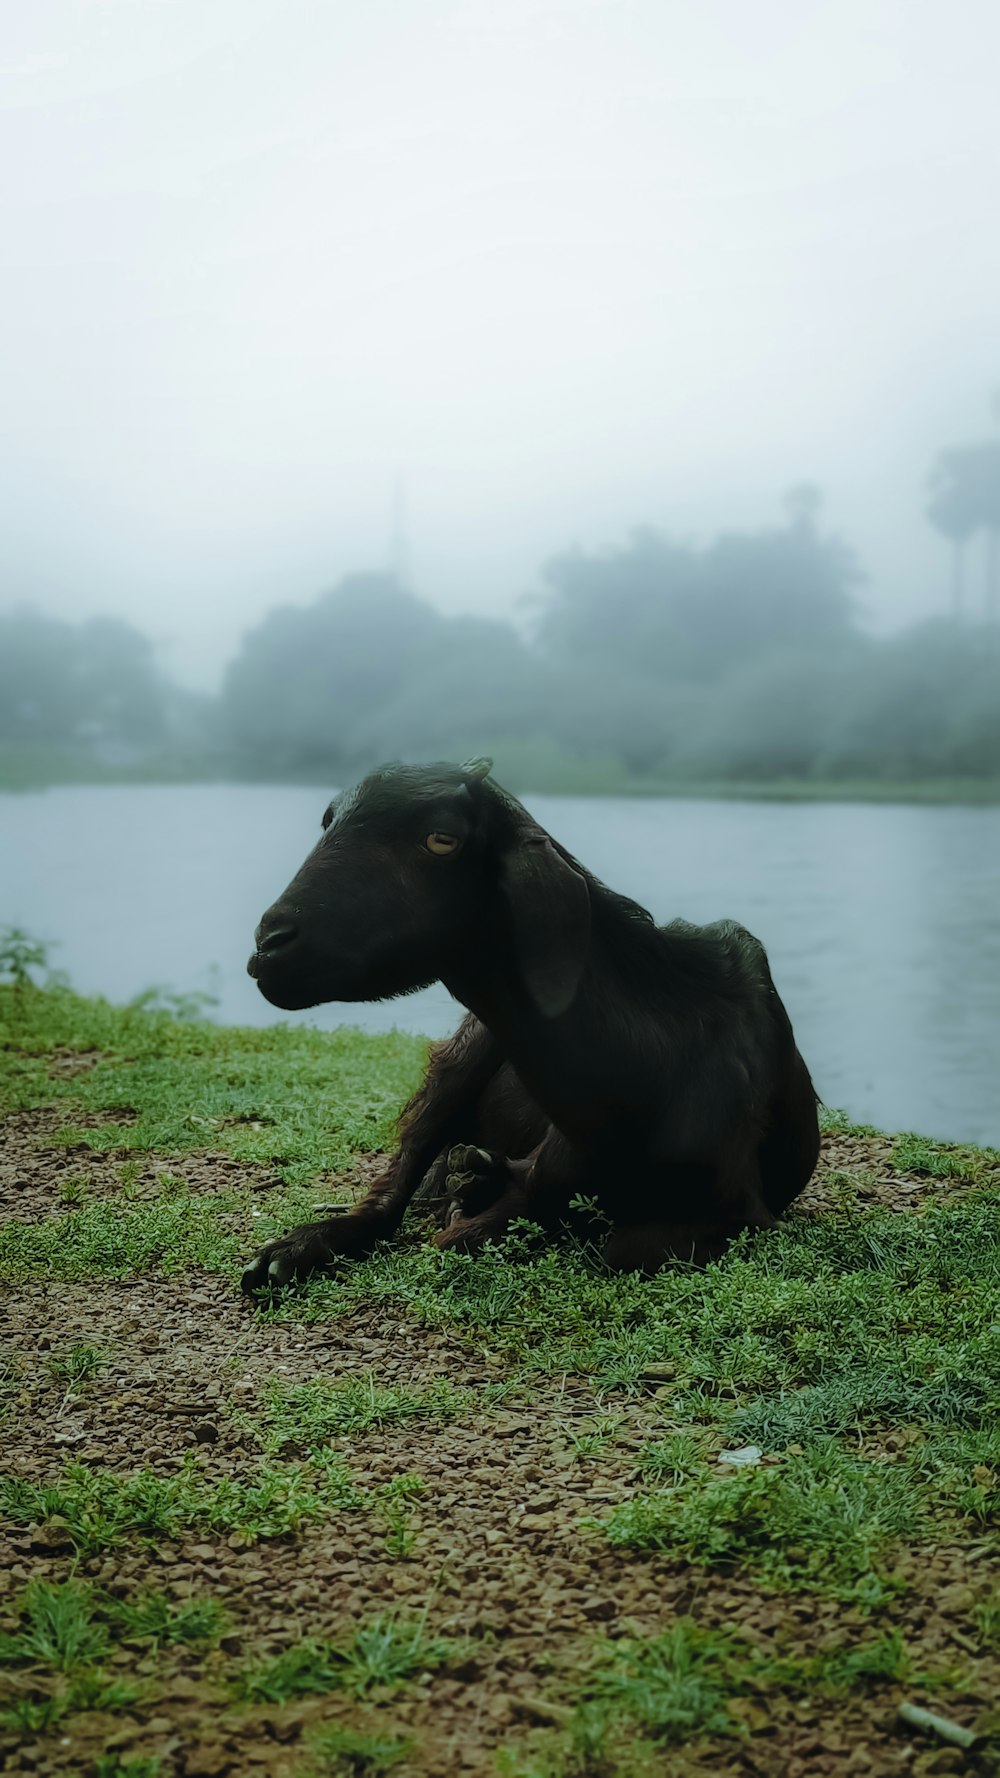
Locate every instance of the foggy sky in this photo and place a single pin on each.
(564, 265)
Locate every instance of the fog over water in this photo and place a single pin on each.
(559, 265)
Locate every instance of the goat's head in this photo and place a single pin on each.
(426, 873)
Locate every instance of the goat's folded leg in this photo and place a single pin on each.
(475, 1181)
(310, 1248)
(456, 1076)
(537, 1187)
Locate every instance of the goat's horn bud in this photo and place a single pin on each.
(478, 768)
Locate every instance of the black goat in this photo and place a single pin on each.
(652, 1069)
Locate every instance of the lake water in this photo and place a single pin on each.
(882, 923)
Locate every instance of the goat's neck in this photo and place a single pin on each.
(547, 1053)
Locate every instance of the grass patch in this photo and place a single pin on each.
(306, 1101)
(58, 1628)
(111, 1765)
(59, 1635)
(309, 1415)
(98, 1509)
(346, 1753)
(77, 1365)
(155, 1619)
(824, 1520)
(943, 1160)
(384, 1653)
(638, 1697)
(673, 1687)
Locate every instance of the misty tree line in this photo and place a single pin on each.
(660, 659)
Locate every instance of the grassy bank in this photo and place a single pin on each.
(439, 1515)
(523, 770)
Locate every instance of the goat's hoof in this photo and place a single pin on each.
(310, 1248)
(464, 1155)
(476, 1179)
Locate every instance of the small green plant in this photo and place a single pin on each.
(594, 1440)
(673, 1686)
(98, 1508)
(389, 1650)
(986, 1617)
(186, 1008)
(394, 1505)
(386, 1652)
(310, 1414)
(75, 1188)
(306, 1667)
(155, 1618)
(59, 1627)
(345, 1753)
(111, 1765)
(19, 955)
(669, 1461)
(77, 1365)
(885, 1660)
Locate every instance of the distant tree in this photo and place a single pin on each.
(964, 497)
(94, 684)
(670, 611)
(626, 606)
(309, 678)
(922, 704)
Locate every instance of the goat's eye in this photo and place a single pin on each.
(442, 843)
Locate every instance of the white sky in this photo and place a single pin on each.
(567, 265)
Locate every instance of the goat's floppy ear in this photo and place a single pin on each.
(550, 912)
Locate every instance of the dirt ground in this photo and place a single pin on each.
(501, 1560)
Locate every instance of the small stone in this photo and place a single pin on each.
(599, 1610)
(956, 1597)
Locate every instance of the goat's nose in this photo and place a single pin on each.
(276, 937)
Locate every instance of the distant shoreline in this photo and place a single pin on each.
(45, 771)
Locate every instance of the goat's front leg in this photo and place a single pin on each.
(456, 1075)
(537, 1187)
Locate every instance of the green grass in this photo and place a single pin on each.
(97, 1509)
(381, 1654)
(59, 1628)
(941, 1160)
(301, 1102)
(111, 1765)
(153, 1618)
(310, 1415)
(346, 1753)
(824, 1519)
(77, 1365)
(60, 1633)
(860, 1351)
(638, 1697)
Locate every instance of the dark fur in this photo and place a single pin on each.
(652, 1069)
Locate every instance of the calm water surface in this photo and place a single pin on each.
(882, 924)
